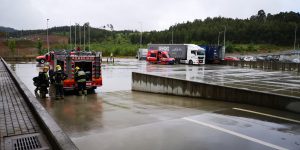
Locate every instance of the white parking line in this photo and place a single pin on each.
(273, 116)
(236, 134)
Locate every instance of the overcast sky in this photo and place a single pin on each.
(130, 14)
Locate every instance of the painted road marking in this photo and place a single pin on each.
(273, 116)
(236, 134)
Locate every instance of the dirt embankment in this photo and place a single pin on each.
(26, 46)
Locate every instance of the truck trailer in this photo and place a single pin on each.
(214, 54)
(183, 53)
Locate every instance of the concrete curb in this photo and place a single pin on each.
(57, 138)
(173, 86)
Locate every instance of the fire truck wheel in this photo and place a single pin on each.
(190, 62)
(42, 61)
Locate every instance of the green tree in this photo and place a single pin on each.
(12, 46)
(39, 45)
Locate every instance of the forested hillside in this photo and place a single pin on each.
(262, 28)
(260, 31)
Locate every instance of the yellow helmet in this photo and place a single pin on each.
(77, 68)
(45, 68)
(58, 67)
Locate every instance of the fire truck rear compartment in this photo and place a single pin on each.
(87, 67)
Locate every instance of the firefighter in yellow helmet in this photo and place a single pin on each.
(76, 70)
(58, 77)
(43, 82)
(80, 78)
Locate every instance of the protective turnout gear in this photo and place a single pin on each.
(43, 83)
(80, 78)
(58, 77)
(36, 83)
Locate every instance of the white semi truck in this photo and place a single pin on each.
(183, 53)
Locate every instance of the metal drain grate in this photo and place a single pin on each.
(25, 142)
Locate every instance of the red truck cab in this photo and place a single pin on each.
(43, 58)
(159, 57)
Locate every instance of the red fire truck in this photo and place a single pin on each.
(90, 62)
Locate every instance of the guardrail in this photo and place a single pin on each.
(269, 65)
(57, 138)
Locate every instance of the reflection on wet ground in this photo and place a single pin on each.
(117, 76)
(286, 83)
(118, 118)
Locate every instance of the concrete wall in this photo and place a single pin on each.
(265, 65)
(166, 85)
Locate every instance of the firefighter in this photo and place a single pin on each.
(58, 77)
(43, 82)
(80, 78)
(76, 70)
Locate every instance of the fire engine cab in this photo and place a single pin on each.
(89, 62)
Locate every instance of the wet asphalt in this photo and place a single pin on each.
(118, 118)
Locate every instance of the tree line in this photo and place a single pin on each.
(261, 28)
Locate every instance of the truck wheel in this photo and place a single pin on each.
(42, 61)
(190, 62)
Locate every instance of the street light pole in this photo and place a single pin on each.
(70, 36)
(89, 37)
(47, 36)
(79, 36)
(172, 35)
(141, 37)
(295, 37)
(224, 37)
(84, 36)
(219, 37)
(75, 36)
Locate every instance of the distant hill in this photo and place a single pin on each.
(241, 34)
(7, 29)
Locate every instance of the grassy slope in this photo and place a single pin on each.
(125, 48)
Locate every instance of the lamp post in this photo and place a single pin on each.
(295, 37)
(47, 36)
(224, 37)
(79, 35)
(84, 25)
(89, 37)
(70, 36)
(219, 37)
(172, 35)
(141, 37)
(75, 36)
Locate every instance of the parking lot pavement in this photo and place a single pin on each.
(118, 118)
(130, 121)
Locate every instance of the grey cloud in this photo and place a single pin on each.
(129, 14)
